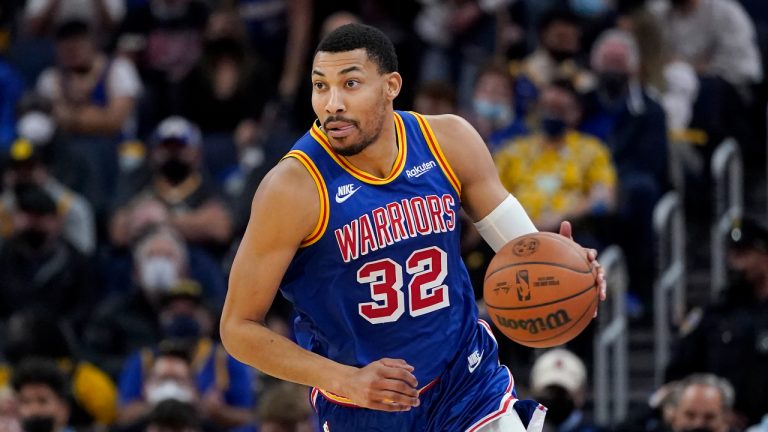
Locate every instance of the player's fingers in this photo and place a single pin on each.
(388, 406)
(592, 256)
(397, 363)
(397, 386)
(566, 230)
(391, 396)
(603, 286)
(401, 375)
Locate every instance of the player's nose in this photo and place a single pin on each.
(335, 103)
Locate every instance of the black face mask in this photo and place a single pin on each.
(175, 170)
(679, 4)
(559, 404)
(553, 127)
(32, 238)
(697, 429)
(37, 424)
(613, 84)
(224, 47)
(182, 327)
(560, 56)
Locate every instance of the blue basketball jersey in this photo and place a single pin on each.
(382, 275)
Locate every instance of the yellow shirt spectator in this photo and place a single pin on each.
(555, 181)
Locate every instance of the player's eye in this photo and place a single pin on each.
(352, 83)
(318, 85)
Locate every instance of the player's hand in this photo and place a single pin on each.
(385, 385)
(567, 231)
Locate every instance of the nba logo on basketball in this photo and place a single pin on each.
(523, 286)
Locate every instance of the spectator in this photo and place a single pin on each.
(225, 93)
(175, 176)
(41, 16)
(11, 87)
(717, 37)
(223, 383)
(164, 39)
(555, 58)
(92, 94)
(703, 402)
(493, 112)
(633, 125)
(128, 321)
(39, 267)
(26, 169)
(556, 172)
(559, 382)
(172, 415)
(284, 408)
(435, 97)
(42, 392)
(730, 338)
(169, 378)
(31, 334)
(9, 411)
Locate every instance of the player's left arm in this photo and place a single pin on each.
(482, 194)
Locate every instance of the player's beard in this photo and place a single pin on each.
(365, 139)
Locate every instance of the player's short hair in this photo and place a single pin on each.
(354, 36)
(171, 414)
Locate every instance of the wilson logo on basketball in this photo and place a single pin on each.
(552, 321)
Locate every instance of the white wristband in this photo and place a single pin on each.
(506, 222)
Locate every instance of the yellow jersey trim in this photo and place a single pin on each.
(359, 174)
(437, 152)
(322, 190)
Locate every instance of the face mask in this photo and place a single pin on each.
(553, 127)
(33, 238)
(37, 424)
(559, 404)
(169, 389)
(679, 4)
(498, 113)
(560, 56)
(613, 84)
(175, 170)
(182, 327)
(158, 274)
(225, 47)
(697, 429)
(37, 127)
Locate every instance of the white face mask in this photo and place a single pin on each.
(158, 274)
(169, 389)
(37, 127)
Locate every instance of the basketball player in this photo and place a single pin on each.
(358, 226)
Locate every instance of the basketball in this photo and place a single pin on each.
(540, 290)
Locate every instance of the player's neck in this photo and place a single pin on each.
(378, 158)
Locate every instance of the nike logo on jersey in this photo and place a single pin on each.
(474, 360)
(420, 170)
(345, 192)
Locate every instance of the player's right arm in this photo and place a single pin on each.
(284, 211)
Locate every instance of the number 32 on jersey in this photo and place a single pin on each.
(426, 292)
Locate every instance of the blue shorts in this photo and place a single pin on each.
(473, 391)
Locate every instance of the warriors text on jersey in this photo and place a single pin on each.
(381, 274)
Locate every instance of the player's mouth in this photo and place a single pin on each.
(339, 129)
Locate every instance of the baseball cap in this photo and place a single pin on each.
(177, 129)
(749, 233)
(558, 367)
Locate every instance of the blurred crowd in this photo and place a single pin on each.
(133, 134)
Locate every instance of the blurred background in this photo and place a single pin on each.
(133, 134)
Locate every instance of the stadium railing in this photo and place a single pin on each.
(611, 347)
(669, 287)
(728, 176)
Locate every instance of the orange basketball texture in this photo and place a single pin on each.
(540, 290)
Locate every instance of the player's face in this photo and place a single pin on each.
(351, 98)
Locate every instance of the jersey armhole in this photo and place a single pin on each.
(437, 152)
(322, 190)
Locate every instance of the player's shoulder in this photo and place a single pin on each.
(288, 180)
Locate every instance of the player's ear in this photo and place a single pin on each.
(393, 84)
